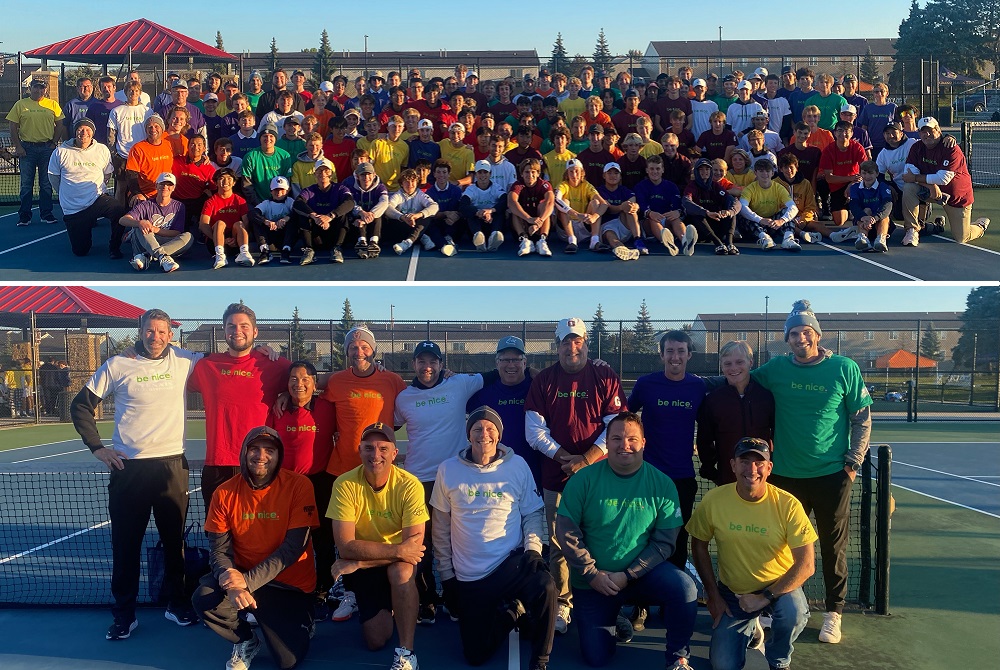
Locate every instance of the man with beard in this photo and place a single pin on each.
(259, 525)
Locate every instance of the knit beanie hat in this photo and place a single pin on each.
(801, 315)
(487, 413)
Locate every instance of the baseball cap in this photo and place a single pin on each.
(377, 74)
(38, 82)
(509, 342)
(364, 168)
(600, 74)
(728, 77)
(631, 93)
(457, 124)
(760, 72)
(427, 347)
(573, 163)
(483, 165)
(326, 86)
(352, 112)
(471, 74)
(612, 166)
(322, 163)
(544, 72)
(928, 121)
(180, 83)
(270, 128)
(787, 69)
(379, 428)
(761, 114)
(172, 74)
(752, 445)
(893, 125)
(291, 119)
(849, 108)
(850, 77)
(209, 97)
(571, 326)
(167, 177)
(698, 82)
(596, 128)
(279, 182)
(262, 434)
(425, 123)
(529, 77)
(745, 85)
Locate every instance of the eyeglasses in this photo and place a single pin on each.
(510, 361)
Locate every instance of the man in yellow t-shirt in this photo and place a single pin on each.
(577, 203)
(765, 551)
(389, 154)
(768, 210)
(378, 515)
(459, 155)
(35, 129)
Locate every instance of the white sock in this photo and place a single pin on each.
(594, 239)
(220, 250)
(374, 238)
(244, 249)
(571, 239)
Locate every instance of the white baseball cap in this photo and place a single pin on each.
(571, 326)
(484, 165)
(279, 182)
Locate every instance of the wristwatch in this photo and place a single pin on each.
(769, 595)
(853, 466)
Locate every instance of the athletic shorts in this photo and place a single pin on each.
(371, 589)
(839, 199)
(618, 228)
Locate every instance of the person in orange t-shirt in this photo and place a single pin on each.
(259, 525)
(146, 160)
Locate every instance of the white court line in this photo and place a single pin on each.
(513, 651)
(15, 213)
(35, 446)
(411, 270)
(28, 244)
(869, 261)
(971, 246)
(39, 458)
(53, 542)
(945, 500)
(942, 472)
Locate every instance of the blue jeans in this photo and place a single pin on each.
(665, 585)
(789, 615)
(36, 158)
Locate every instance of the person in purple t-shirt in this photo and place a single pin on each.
(156, 228)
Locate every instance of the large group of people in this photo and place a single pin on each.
(455, 162)
(534, 498)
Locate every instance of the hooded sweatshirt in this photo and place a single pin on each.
(702, 197)
(374, 200)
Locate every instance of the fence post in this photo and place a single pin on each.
(911, 403)
(883, 528)
(621, 347)
(916, 370)
(35, 355)
(331, 349)
(864, 583)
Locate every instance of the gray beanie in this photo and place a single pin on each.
(360, 333)
(802, 315)
(487, 413)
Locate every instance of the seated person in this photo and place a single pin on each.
(710, 209)
(371, 199)
(270, 221)
(871, 210)
(807, 223)
(305, 163)
(619, 216)
(838, 165)
(446, 227)
(320, 215)
(484, 207)
(530, 203)
(660, 209)
(767, 209)
(411, 209)
(224, 222)
(155, 227)
(577, 205)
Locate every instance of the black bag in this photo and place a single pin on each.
(196, 565)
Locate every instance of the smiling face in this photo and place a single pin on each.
(156, 336)
(572, 353)
(360, 355)
(301, 385)
(675, 357)
(625, 446)
(804, 343)
(261, 460)
(736, 368)
(484, 438)
(427, 367)
(751, 470)
(377, 456)
(511, 365)
(240, 331)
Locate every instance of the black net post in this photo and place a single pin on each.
(883, 526)
(865, 533)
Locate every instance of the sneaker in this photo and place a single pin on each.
(139, 262)
(538, 665)
(862, 243)
(543, 248)
(911, 237)
(517, 614)
(789, 244)
(496, 239)
(982, 222)
(625, 254)
(571, 248)
(765, 242)
(600, 247)
(563, 618)
(937, 228)
(638, 618)
(524, 247)
(448, 249)
(690, 240)
(404, 659)
(51, 218)
(623, 629)
(679, 664)
(479, 241)
(733, 251)
(841, 236)
(361, 248)
(373, 249)
(757, 638)
(182, 616)
(243, 654)
(427, 243)
(427, 615)
(28, 223)
(265, 257)
(321, 609)
(812, 238)
(721, 250)
(113, 254)
(286, 256)
(402, 247)
(830, 631)
(640, 246)
(245, 259)
(120, 630)
(336, 256)
(667, 238)
(220, 262)
(308, 256)
(347, 607)
(824, 214)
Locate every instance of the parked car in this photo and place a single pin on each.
(895, 396)
(987, 100)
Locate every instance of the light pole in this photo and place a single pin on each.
(392, 328)
(366, 57)
(766, 300)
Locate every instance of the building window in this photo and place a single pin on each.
(671, 63)
(741, 335)
(869, 336)
(813, 60)
(715, 337)
(458, 346)
(834, 59)
(893, 335)
(772, 337)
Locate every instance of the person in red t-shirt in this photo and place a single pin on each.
(259, 526)
(224, 221)
(195, 180)
(840, 165)
(531, 202)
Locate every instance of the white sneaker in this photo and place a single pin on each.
(243, 654)
(841, 236)
(347, 607)
(765, 242)
(679, 664)
(789, 244)
(525, 247)
(830, 632)
(245, 259)
(625, 254)
(139, 262)
(496, 239)
(862, 243)
(911, 238)
(168, 264)
(982, 222)
(812, 238)
(563, 618)
(479, 241)
(220, 262)
(449, 247)
(881, 244)
(427, 243)
(404, 659)
(690, 240)
(402, 247)
(667, 238)
(543, 247)
(757, 639)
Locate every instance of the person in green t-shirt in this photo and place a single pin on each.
(618, 522)
(822, 427)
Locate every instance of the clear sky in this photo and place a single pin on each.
(249, 25)
(517, 302)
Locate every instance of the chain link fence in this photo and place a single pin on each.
(981, 145)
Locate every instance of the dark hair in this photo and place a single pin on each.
(843, 125)
(238, 307)
(305, 365)
(626, 417)
(442, 163)
(154, 315)
(676, 336)
(784, 160)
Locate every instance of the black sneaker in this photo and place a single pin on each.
(571, 248)
(321, 610)
(373, 250)
(286, 257)
(265, 257)
(515, 609)
(115, 254)
(624, 631)
(182, 615)
(121, 630)
(361, 248)
(51, 218)
(427, 615)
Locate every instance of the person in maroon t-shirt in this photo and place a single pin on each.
(670, 101)
(939, 174)
(595, 157)
(531, 202)
(624, 121)
(566, 410)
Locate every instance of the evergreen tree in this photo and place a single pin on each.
(82, 72)
(602, 53)
(275, 63)
(644, 331)
(347, 321)
(579, 60)
(218, 41)
(222, 68)
(297, 338)
(323, 67)
(600, 339)
(559, 56)
(930, 344)
(980, 325)
(869, 68)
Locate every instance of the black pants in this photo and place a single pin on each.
(315, 237)
(80, 225)
(192, 213)
(323, 536)
(426, 586)
(284, 616)
(484, 622)
(213, 476)
(159, 485)
(829, 500)
(477, 224)
(365, 230)
(687, 489)
(719, 232)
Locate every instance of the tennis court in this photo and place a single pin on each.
(945, 537)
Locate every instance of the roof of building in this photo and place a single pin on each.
(65, 307)
(773, 48)
(855, 321)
